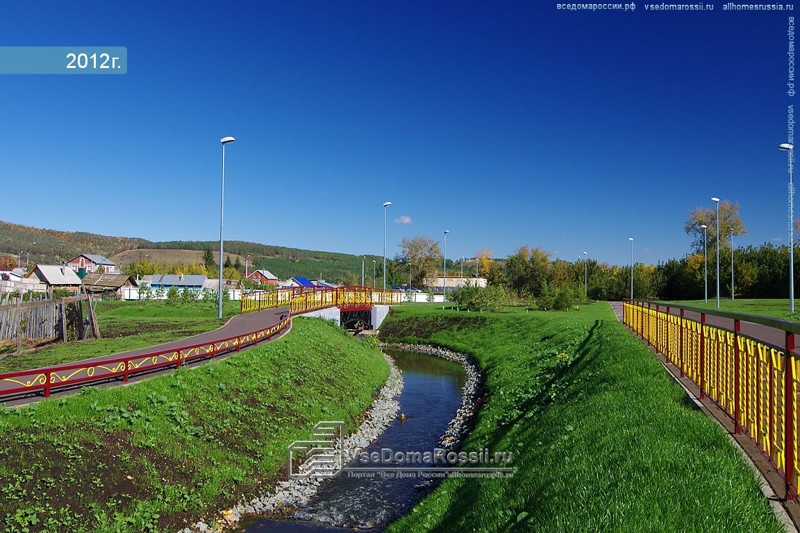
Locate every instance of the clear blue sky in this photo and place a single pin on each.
(508, 123)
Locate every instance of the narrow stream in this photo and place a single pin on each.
(430, 398)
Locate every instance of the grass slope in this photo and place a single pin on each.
(775, 308)
(602, 438)
(160, 454)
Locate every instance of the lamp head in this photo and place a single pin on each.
(630, 238)
(387, 204)
(446, 231)
(227, 140)
(715, 199)
(703, 226)
(786, 146)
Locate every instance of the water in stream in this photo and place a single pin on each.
(431, 395)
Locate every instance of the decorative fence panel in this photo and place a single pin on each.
(304, 299)
(753, 381)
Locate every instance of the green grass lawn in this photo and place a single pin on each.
(128, 326)
(602, 438)
(160, 454)
(775, 308)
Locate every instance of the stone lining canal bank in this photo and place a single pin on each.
(296, 492)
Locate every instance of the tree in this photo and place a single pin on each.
(729, 221)
(489, 268)
(227, 263)
(208, 260)
(421, 256)
(528, 271)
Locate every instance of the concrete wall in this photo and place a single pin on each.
(378, 314)
(331, 313)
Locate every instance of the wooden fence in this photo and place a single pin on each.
(66, 319)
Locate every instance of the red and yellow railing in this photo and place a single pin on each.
(753, 381)
(305, 299)
(299, 300)
(44, 380)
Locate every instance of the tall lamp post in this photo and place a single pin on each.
(631, 239)
(586, 275)
(790, 150)
(385, 205)
(224, 141)
(362, 269)
(716, 223)
(373, 273)
(705, 261)
(444, 265)
(732, 291)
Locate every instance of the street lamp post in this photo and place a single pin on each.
(362, 270)
(224, 141)
(705, 261)
(385, 205)
(631, 239)
(373, 274)
(444, 265)
(716, 223)
(586, 275)
(732, 291)
(790, 150)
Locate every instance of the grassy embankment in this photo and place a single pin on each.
(775, 308)
(602, 438)
(165, 452)
(128, 326)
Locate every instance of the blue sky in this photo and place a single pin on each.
(507, 123)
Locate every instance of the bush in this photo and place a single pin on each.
(173, 295)
(474, 298)
(559, 299)
(188, 295)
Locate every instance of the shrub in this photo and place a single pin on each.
(173, 295)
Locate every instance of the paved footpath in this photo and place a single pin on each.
(238, 325)
(759, 332)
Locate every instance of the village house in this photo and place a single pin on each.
(56, 277)
(263, 277)
(102, 283)
(92, 263)
(193, 282)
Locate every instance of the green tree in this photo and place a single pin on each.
(227, 263)
(421, 256)
(173, 295)
(208, 260)
(729, 222)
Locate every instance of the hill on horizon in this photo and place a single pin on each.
(48, 246)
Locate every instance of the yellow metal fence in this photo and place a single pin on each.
(752, 381)
(304, 299)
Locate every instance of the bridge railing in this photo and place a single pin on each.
(755, 382)
(304, 299)
(47, 380)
